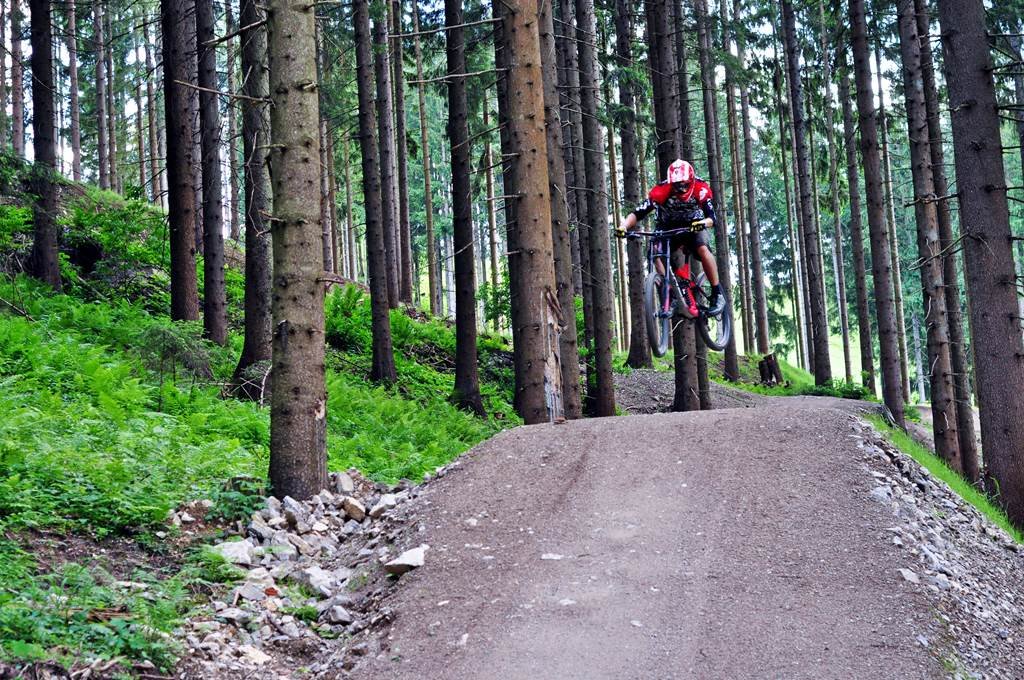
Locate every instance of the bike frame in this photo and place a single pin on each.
(659, 246)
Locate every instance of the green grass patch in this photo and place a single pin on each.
(938, 468)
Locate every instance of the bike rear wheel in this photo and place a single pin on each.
(658, 324)
(715, 330)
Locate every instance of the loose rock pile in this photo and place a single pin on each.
(970, 568)
(315, 571)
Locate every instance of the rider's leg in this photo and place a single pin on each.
(711, 269)
(710, 266)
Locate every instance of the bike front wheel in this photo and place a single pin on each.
(715, 330)
(658, 323)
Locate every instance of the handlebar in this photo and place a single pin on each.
(666, 232)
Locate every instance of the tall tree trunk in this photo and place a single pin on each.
(326, 245)
(354, 261)
(492, 218)
(232, 145)
(958, 346)
(988, 253)
(215, 323)
(867, 361)
(17, 80)
(111, 108)
(433, 273)
(404, 229)
(101, 92)
(383, 363)
(603, 399)
(256, 347)
(662, 62)
(743, 257)
(618, 252)
(561, 245)
(639, 349)
(156, 176)
(3, 71)
(881, 262)
(929, 245)
(44, 244)
(759, 298)
(467, 383)
(683, 81)
(140, 138)
(298, 410)
(796, 293)
(890, 216)
(332, 205)
(711, 133)
(76, 128)
(833, 174)
(177, 21)
(811, 251)
(386, 142)
(576, 181)
(528, 209)
(916, 325)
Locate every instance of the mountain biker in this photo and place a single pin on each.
(683, 201)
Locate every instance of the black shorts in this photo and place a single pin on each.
(690, 241)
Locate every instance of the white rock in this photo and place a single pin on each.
(386, 502)
(910, 576)
(354, 508)
(236, 552)
(343, 483)
(551, 556)
(407, 561)
(316, 578)
(339, 615)
(254, 655)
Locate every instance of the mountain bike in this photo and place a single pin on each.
(665, 296)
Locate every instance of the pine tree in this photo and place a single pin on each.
(298, 409)
(988, 253)
(45, 266)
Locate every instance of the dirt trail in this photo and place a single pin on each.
(734, 543)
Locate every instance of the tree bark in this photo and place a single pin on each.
(860, 267)
(101, 92)
(603, 399)
(811, 251)
(760, 298)
(662, 63)
(492, 216)
(433, 275)
(17, 81)
(929, 245)
(639, 349)
(215, 323)
(332, 205)
(232, 145)
(45, 266)
(156, 176)
(140, 138)
(76, 128)
(561, 244)
(4, 14)
(467, 384)
(404, 230)
(881, 262)
(111, 108)
(176, 17)
(958, 347)
(576, 181)
(386, 142)
(683, 81)
(528, 208)
(354, 261)
(298, 410)
(711, 134)
(988, 253)
(383, 362)
(256, 346)
(890, 216)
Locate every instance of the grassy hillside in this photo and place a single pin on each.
(114, 416)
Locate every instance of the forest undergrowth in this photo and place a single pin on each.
(113, 416)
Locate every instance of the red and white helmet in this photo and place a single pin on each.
(680, 171)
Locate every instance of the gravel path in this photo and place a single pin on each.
(648, 391)
(724, 544)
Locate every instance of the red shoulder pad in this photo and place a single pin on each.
(660, 193)
(702, 191)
